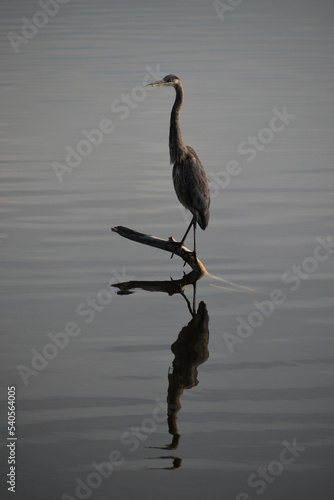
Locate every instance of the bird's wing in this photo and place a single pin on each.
(191, 185)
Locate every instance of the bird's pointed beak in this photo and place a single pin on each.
(156, 84)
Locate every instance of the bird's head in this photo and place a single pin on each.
(168, 81)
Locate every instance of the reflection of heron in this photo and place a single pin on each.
(189, 177)
(190, 350)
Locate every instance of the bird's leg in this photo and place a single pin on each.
(193, 221)
(194, 252)
(194, 298)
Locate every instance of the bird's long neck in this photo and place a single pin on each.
(177, 148)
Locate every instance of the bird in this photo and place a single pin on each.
(189, 177)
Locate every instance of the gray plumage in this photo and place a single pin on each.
(189, 177)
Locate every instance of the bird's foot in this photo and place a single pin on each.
(189, 256)
(193, 254)
(177, 247)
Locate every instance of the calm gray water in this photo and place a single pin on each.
(249, 377)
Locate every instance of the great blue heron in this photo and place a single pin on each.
(189, 177)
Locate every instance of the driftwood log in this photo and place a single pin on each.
(170, 245)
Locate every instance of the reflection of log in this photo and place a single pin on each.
(168, 286)
(169, 245)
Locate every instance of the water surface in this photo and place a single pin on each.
(235, 393)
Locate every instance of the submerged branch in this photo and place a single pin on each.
(169, 245)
